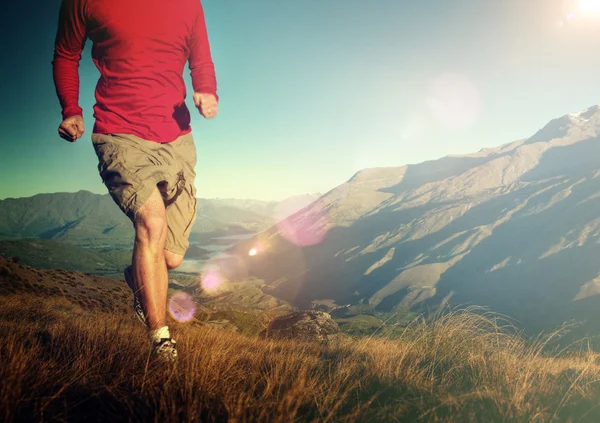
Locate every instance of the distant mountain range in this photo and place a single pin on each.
(515, 228)
(93, 220)
(48, 254)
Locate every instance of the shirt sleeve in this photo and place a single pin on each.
(70, 40)
(202, 68)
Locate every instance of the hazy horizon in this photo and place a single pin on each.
(203, 198)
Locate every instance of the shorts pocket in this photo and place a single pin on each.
(193, 209)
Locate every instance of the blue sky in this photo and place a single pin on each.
(313, 91)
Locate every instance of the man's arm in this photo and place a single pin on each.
(70, 40)
(202, 68)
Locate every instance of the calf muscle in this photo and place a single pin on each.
(148, 261)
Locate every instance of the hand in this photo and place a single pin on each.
(71, 128)
(207, 105)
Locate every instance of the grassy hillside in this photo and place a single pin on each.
(63, 362)
(72, 353)
(236, 306)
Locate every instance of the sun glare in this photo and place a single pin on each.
(253, 252)
(182, 307)
(589, 7)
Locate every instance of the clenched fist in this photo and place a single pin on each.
(71, 128)
(207, 105)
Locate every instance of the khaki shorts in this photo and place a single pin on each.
(131, 168)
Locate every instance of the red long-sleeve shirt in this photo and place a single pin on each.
(140, 48)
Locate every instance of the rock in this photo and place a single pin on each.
(308, 325)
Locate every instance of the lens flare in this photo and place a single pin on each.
(257, 248)
(307, 228)
(225, 267)
(182, 307)
(211, 280)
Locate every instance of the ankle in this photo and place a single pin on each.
(161, 333)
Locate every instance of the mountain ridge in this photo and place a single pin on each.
(94, 220)
(419, 236)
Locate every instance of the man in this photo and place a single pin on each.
(142, 134)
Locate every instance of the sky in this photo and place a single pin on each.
(313, 91)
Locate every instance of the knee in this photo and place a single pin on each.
(150, 228)
(173, 260)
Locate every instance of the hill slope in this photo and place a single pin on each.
(74, 354)
(516, 228)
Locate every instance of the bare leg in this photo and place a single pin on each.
(148, 262)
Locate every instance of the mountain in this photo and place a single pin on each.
(93, 220)
(514, 228)
(48, 254)
(81, 218)
(275, 209)
(291, 205)
(214, 216)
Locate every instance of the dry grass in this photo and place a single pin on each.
(61, 363)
